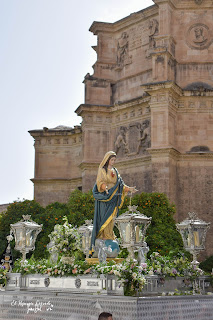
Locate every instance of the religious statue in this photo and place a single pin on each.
(122, 48)
(144, 136)
(121, 141)
(109, 193)
(153, 31)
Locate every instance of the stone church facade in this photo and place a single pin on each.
(150, 99)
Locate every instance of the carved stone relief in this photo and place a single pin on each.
(199, 36)
(138, 36)
(133, 139)
(123, 57)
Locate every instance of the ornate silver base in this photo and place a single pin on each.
(68, 306)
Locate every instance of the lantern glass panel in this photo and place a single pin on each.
(198, 236)
(30, 237)
(139, 233)
(185, 236)
(125, 231)
(19, 237)
(83, 241)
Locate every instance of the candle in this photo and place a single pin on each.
(83, 242)
(196, 239)
(28, 239)
(189, 240)
(127, 233)
(137, 229)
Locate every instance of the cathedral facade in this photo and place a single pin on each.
(150, 99)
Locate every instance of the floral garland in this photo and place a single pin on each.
(131, 275)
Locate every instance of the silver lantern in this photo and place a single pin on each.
(25, 233)
(132, 226)
(193, 232)
(86, 233)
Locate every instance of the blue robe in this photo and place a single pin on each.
(105, 206)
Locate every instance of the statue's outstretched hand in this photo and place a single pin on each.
(133, 189)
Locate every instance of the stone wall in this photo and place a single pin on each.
(3, 207)
(58, 153)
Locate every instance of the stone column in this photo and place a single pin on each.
(163, 150)
(96, 128)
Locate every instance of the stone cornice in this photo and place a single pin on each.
(175, 154)
(197, 93)
(45, 149)
(100, 27)
(112, 108)
(89, 165)
(45, 132)
(186, 4)
(92, 108)
(162, 85)
(55, 180)
(196, 156)
(164, 152)
(128, 104)
(132, 162)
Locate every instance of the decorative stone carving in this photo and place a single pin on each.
(134, 139)
(47, 282)
(153, 31)
(138, 36)
(123, 57)
(78, 283)
(199, 36)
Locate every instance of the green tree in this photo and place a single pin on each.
(14, 214)
(161, 235)
(48, 217)
(81, 207)
(53, 214)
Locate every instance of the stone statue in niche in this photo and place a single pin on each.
(121, 142)
(145, 137)
(153, 31)
(123, 57)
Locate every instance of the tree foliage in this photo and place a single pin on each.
(81, 207)
(161, 235)
(14, 214)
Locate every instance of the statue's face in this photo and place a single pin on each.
(112, 161)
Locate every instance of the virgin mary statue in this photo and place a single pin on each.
(109, 193)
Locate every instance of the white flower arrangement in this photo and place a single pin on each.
(64, 239)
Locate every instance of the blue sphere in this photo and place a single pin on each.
(114, 246)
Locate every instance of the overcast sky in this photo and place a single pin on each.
(45, 52)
